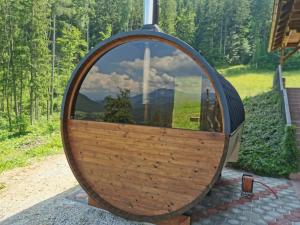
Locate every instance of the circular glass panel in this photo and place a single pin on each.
(150, 83)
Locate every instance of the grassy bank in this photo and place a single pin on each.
(267, 146)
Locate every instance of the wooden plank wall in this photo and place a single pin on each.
(142, 170)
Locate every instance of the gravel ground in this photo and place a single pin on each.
(46, 193)
(39, 195)
(60, 210)
(30, 185)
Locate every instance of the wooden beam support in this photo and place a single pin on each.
(287, 37)
(284, 57)
(295, 17)
(294, 24)
(284, 18)
(297, 5)
(177, 220)
(286, 22)
(276, 9)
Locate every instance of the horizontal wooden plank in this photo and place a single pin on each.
(155, 141)
(170, 132)
(163, 182)
(152, 168)
(177, 158)
(151, 148)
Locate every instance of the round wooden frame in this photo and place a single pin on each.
(77, 79)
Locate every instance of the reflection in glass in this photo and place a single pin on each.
(148, 83)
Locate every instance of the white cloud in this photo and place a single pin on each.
(178, 60)
(160, 81)
(95, 81)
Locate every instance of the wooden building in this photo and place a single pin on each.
(285, 33)
(148, 124)
(285, 37)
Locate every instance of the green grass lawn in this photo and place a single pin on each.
(186, 102)
(249, 82)
(42, 139)
(292, 78)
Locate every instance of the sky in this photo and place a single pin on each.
(122, 67)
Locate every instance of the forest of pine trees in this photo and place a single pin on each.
(41, 41)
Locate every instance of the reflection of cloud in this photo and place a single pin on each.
(129, 75)
(95, 81)
(177, 61)
(135, 64)
(160, 81)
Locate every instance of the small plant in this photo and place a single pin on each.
(2, 185)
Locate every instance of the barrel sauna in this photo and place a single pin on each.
(148, 124)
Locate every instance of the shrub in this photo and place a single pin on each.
(267, 147)
(22, 124)
(289, 147)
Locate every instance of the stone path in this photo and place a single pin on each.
(226, 206)
(223, 206)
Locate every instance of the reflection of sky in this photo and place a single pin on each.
(122, 67)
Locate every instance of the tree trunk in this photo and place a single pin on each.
(36, 107)
(31, 98)
(21, 95)
(14, 84)
(8, 112)
(225, 38)
(88, 34)
(53, 63)
(221, 38)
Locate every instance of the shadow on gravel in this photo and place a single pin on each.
(67, 208)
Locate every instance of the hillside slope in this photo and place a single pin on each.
(267, 147)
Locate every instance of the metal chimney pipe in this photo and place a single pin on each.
(148, 12)
(155, 11)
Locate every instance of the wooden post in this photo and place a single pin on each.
(284, 57)
(281, 56)
(176, 220)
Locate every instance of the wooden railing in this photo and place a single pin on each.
(279, 85)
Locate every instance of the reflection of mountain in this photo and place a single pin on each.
(159, 96)
(84, 104)
(160, 107)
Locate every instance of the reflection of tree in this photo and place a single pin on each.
(118, 109)
(210, 112)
